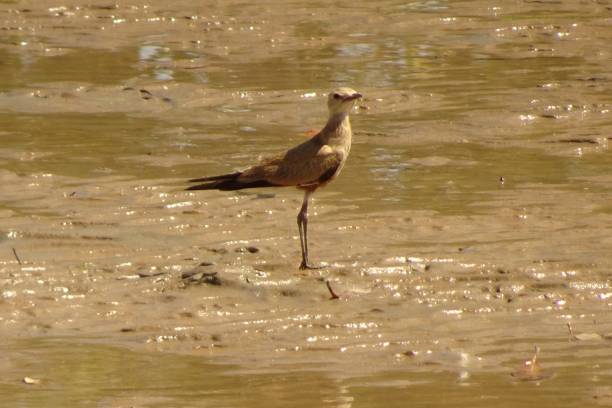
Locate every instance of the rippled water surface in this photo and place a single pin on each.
(471, 223)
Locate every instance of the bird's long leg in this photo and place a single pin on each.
(302, 220)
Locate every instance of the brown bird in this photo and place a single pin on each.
(307, 166)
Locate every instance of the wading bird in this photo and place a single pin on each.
(307, 166)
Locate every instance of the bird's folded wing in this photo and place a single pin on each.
(299, 169)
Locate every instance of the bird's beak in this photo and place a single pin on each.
(352, 97)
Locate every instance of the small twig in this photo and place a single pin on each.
(150, 275)
(571, 332)
(534, 360)
(331, 291)
(17, 257)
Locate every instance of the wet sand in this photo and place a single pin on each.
(471, 223)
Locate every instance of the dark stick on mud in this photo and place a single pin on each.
(331, 291)
(17, 256)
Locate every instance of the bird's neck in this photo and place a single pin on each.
(337, 130)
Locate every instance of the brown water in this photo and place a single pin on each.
(448, 278)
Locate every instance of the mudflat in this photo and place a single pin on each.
(471, 223)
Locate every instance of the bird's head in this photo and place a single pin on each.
(342, 100)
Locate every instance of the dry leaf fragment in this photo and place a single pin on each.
(531, 369)
(31, 381)
(587, 336)
(582, 336)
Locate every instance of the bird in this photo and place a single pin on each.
(307, 166)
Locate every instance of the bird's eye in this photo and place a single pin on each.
(337, 96)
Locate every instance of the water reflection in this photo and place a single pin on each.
(157, 56)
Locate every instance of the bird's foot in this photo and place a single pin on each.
(308, 265)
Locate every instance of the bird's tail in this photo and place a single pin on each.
(227, 182)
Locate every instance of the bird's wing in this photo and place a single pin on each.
(306, 165)
(325, 165)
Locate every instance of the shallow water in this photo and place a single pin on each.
(471, 223)
(80, 374)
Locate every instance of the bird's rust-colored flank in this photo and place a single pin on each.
(307, 166)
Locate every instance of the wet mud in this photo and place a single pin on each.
(471, 223)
